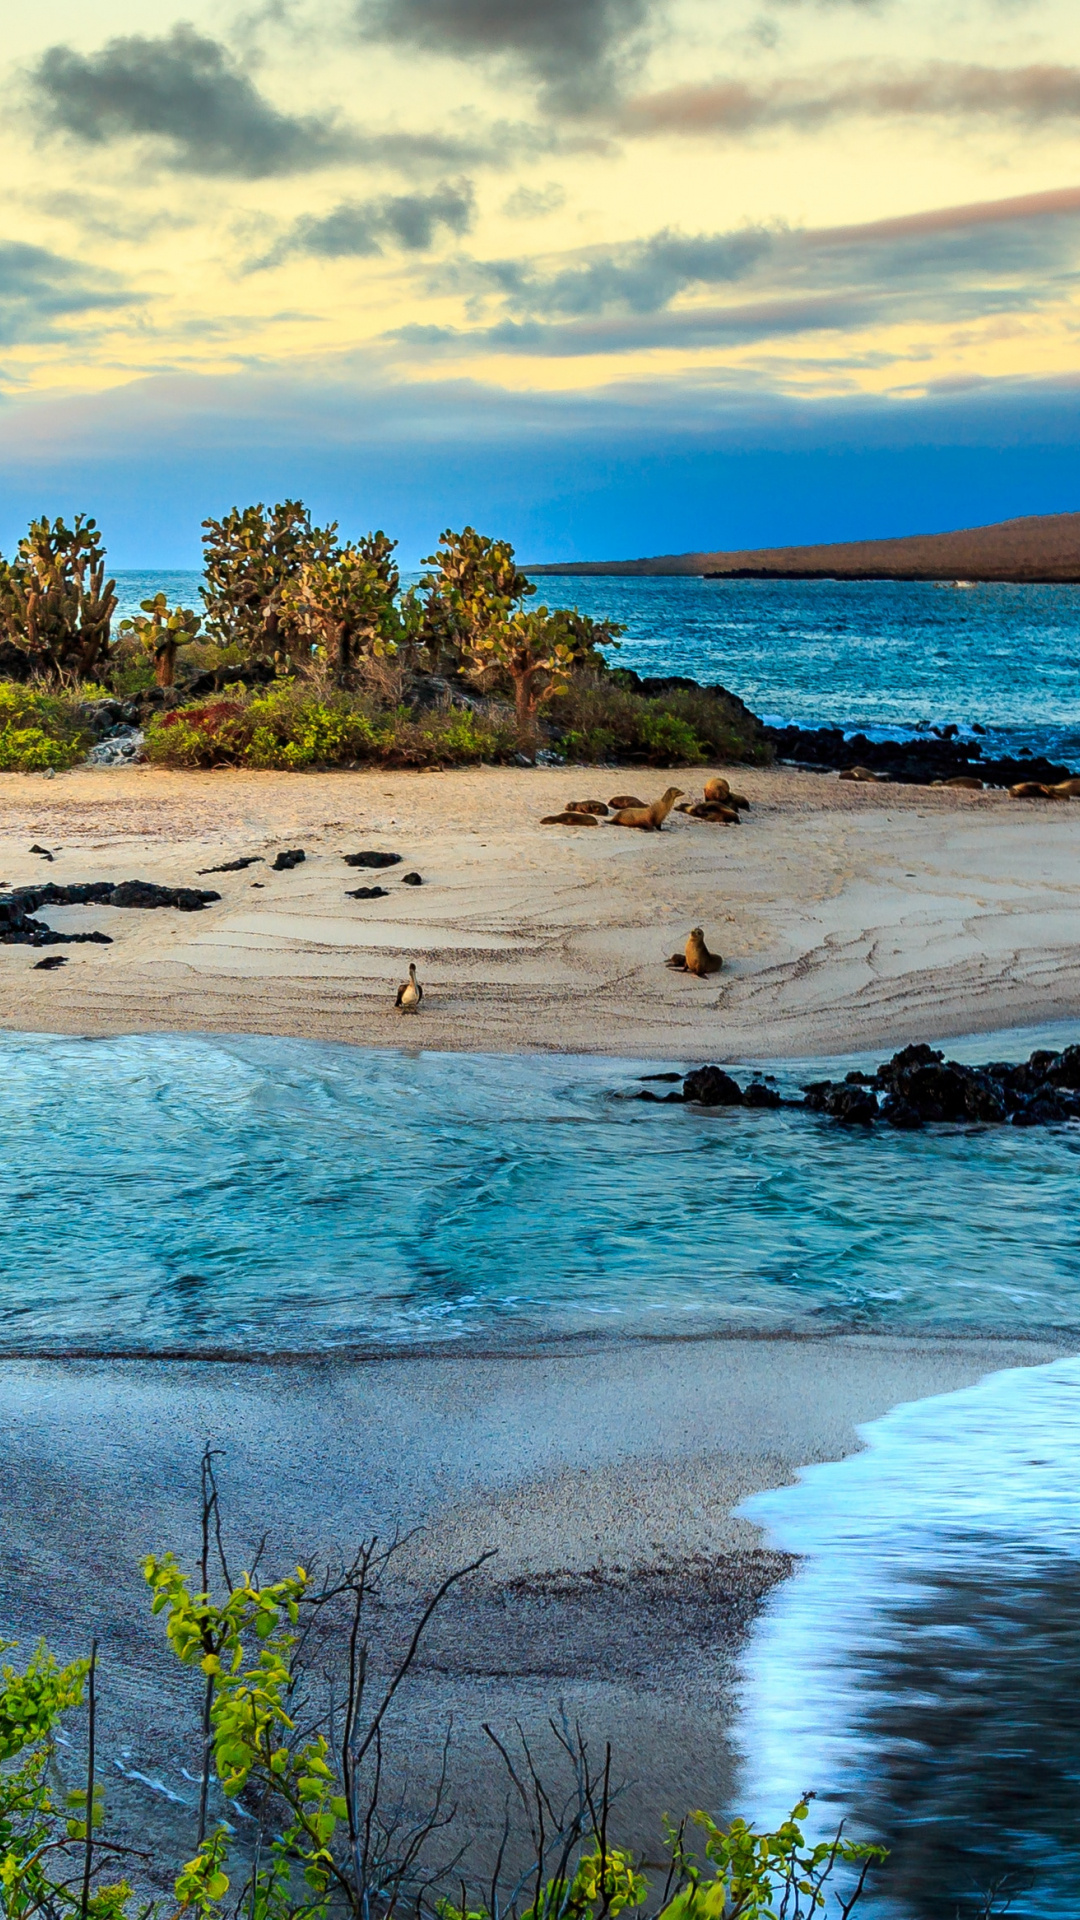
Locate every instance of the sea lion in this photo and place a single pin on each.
(1029, 790)
(865, 774)
(739, 800)
(1067, 790)
(696, 958)
(650, 819)
(966, 781)
(587, 806)
(624, 800)
(704, 810)
(717, 788)
(569, 819)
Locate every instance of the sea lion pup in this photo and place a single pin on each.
(649, 819)
(717, 788)
(712, 810)
(739, 800)
(410, 993)
(696, 959)
(587, 806)
(571, 818)
(1029, 790)
(624, 800)
(865, 774)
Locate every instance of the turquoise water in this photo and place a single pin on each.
(190, 1194)
(879, 655)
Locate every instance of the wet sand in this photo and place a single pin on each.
(849, 917)
(623, 1585)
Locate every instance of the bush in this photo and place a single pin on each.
(601, 719)
(39, 730)
(293, 727)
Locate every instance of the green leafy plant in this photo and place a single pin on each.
(39, 729)
(293, 727)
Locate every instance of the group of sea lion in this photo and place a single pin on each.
(1038, 790)
(970, 783)
(626, 810)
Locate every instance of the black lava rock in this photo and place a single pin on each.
(19, 929)
(411, 880)
(712, 1087)
(284, 861)
(367, 893)
(852, 1106)
(371, 859)
(234, 866)
(939, 756)
(759, 1095)
(143, 893)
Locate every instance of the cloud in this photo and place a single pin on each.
(39, 289)
(187, 92)
(640, 278)
(1032, 96)
(532, 203)
(943, 265)
(577, 51)
(355, 228)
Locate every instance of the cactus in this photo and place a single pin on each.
(252, 559)
(344, 605)
(162, 629)
(55, 600)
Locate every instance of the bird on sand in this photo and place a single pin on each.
(410, 993)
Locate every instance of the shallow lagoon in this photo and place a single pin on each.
(192, 1194)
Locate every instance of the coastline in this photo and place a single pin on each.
(624, 1586)
(606, 1472)
(849, 916)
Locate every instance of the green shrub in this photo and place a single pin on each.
(601, 718)
(39, 730)
(294, 726)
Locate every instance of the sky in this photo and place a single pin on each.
(604, 277)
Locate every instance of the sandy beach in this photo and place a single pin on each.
(848, 916)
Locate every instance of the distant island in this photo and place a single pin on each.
(1042, 547)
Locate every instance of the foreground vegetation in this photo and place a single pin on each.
(310, 653)
(326, 1831)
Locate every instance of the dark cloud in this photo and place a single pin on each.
(40, 290)
(639, 278)
(189, 93)
(577, 51)
(410, 222)
(951, 90)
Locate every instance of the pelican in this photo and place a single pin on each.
(410, 993)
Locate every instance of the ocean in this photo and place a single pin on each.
(881, 657)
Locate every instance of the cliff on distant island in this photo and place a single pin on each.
(1040, 547)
